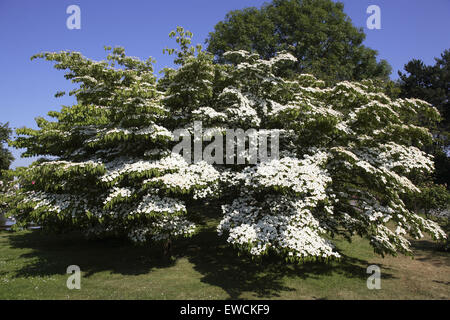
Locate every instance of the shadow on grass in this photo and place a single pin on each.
(52, 254)
(430, 251)
(210, 255)
(221, 266)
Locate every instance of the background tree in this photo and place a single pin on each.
(6, 157)
(432, 84)
(6, 177)
(317, 32)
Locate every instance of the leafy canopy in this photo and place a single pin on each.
(317, 32)
(432, 84)
(6, 157)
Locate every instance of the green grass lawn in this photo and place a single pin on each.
(33, 266)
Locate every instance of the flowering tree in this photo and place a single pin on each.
(110, 170)
(342, 159)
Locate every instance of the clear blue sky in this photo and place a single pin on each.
(410, 29)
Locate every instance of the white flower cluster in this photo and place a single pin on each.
(279, 223)
(118, 193)
(122, 166)
(241, 109)
(155, 130)
(383, 240)
(56, 202)
(200, 177)
(301, 176)
(68, 164)
(153, 204)
(165, 227)
(430, 227)
(209, 113)
(282, 57)
(378, 167)
(406, 158)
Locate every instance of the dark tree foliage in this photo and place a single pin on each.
(432, 84)
(317, 32)
(5, 155)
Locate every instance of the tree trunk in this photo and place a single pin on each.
(168, 248)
